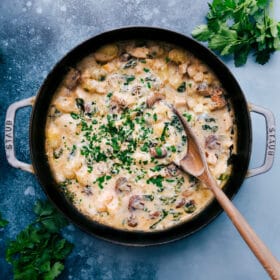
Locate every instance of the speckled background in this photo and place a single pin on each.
(36, 34)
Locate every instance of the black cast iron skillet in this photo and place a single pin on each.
(41, 168)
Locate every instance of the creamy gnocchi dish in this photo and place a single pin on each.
(113, 143)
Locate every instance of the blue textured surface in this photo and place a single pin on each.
(36, 34)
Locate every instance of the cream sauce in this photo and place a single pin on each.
(111, 142)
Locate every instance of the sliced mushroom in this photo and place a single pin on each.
(87, 190)
(181, 203)
(88, 108)
(203, 89)
(125, 57)
(72, 79)
(151, 100)
(117, 104)
(172, 170)
(154, 215)
(158, 152)
(136, 90)
(212, 143)
(54, 112)
(187, 193)
(178, 56)
(139, 52)
(156, 51)
(106, 53)
(122, 185)
(136, 202)
(132, 221)
(216, 90)
(218, 102)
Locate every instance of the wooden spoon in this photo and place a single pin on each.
(194, 163)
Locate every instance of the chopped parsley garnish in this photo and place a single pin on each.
(102, 78)
(167, 59)
(155, 117)
(190, 207)
(173, 149)
(146, 70)
(223, 177)
(129, 79)
(187, 116)
(210, 120)
(74, 116)
(3, 222)
(163, 134)
(156, 168)
(93, 153)
(101, 180)
(211, 128)
(175, 122)
(182, 87)
(158, 151)
(157, 180)
(145, 147)
(164, 214)
(109, 95)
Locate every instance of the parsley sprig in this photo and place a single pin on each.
(3, 222)
(39, 250)
(237, 27)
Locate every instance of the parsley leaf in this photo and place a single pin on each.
(3, 222)
(238, 27)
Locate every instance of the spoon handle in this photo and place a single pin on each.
(263, 254)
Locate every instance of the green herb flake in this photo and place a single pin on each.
(158, 151)
(129, 79)
(190, 207)
(109, 95)
(187, 116)
(146, 70)
(101, 180)
(3, 222)
(223, 177)
(164, 214)
(163, 134)
(173, 149)
(182, 87)
(102, 78)
(155, 117)
(157, 180)
(156, 168)
(211, 128)
(145, 147)
(74, 116)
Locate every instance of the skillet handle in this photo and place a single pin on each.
(270, 140)
(9, 134)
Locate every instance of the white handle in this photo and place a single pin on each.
(9, 134)
(270, 140)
